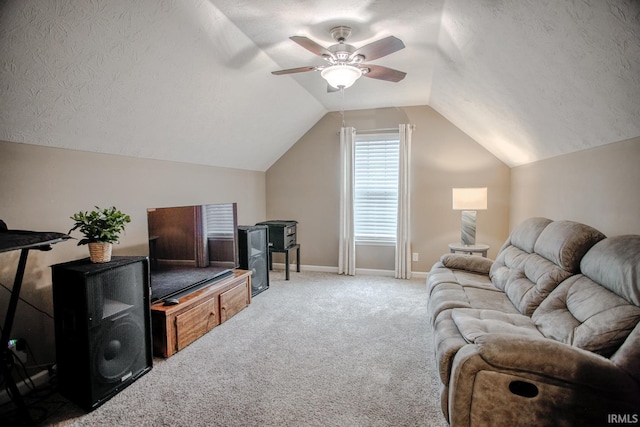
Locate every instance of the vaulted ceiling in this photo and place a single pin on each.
(190, 80)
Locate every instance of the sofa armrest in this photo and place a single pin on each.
(504, 379)
(553, 359)
(473, 264)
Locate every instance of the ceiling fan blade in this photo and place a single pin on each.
(294, 70)
(311, 46)
(380, 48)
(383, 73)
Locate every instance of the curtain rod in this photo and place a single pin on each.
(381, 130)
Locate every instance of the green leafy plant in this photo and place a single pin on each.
(100, 225)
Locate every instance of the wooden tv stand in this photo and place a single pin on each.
(176, 326)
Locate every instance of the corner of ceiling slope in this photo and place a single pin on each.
(534, 82)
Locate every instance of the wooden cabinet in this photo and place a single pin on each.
(232, 301)
(177, 326)
(195, 322)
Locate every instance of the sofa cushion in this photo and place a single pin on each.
(622, 278)
(529, 284)
(448, 274)
(473, 323)
(465, 278)
(437, 275)
(525, 235)
(508, 258)
(628, 355)
(565, 242)
(597, 310)
(520, 243)
(487, 299)
(474, 264)
(446, 296)
(447, 289)
(584, 314)
(615, 264)
(558, 251)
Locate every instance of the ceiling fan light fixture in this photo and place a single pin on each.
(341, 76)
(346, 62)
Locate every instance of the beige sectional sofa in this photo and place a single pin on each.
(547, 334)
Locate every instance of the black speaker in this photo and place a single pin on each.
(253, 244)
(103, 327)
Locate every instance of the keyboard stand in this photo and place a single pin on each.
(24, 241)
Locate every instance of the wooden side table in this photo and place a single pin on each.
(469, 249)
(286, 258)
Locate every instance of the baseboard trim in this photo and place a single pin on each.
(303, 267)
(419, 274)
(364, 271)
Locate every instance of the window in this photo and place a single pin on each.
(219, 220)
(376, 187)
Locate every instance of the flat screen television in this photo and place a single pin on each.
(191, 246)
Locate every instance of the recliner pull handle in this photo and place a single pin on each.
(523, 388)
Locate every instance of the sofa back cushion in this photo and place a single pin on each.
(621, 277)
(565, 243)
(532, 281)
(520, 243)
(615, 264)
(557, 254)
(599, 309)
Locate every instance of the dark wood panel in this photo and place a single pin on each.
(175, 229)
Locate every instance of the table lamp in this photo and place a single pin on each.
(469, 200)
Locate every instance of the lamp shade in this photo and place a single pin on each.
(470, 198)
(341, 76)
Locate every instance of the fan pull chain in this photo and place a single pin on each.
(342, 106)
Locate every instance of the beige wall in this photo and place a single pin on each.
(304, 185)
(599, 187)
(41, 187)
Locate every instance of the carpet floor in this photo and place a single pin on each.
(318, 350)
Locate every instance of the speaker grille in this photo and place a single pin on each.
(258, 266)
(254, 255)
(118, 349)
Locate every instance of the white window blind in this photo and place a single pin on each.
(376, 187)
(219, 220)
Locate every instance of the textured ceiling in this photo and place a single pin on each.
(534, 79)
(189, 80)
(154, 79)
(416, 22)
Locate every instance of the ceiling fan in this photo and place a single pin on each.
(346, 63)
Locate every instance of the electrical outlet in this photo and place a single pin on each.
(18, 347)
(415, 256)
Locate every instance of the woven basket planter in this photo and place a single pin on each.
(100, 251)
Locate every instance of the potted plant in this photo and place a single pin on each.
(101, 229)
